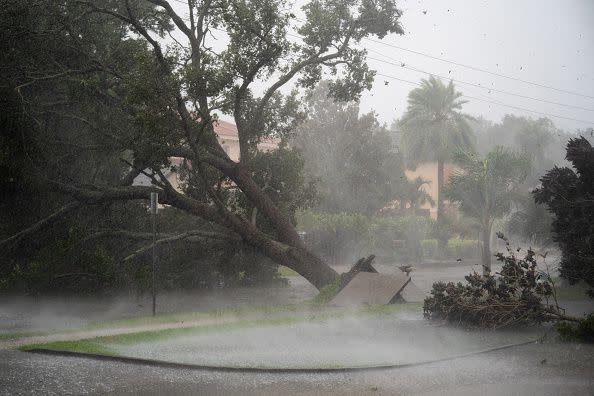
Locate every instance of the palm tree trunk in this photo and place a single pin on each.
(442, 239)
(486, 258)
(439, 189)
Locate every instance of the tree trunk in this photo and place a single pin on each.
(486, 258)
(439, 189)
(294, 256)
(442, 238)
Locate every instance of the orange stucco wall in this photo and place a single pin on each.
(428, 171)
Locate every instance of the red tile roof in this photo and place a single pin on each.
(225, 129)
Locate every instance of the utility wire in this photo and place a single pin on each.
(475, 85)
(479, 69)
(495, 102)
(406, 66)
(469, 66)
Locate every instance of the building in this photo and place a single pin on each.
(428, 171)
(228, 137)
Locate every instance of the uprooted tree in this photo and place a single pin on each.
(144, 81)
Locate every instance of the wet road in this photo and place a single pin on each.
(543, 369)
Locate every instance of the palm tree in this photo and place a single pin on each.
(433, 127)
(485, 188)
(413, 194)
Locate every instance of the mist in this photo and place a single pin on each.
(189, 187)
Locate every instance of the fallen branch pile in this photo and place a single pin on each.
(518, 295)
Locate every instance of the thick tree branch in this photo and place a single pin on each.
(237, 109)
(142, 31)
(285, 79)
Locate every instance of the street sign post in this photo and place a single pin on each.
(154, 210)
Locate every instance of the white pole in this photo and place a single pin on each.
(154, 204)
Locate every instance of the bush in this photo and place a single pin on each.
(399, 238)
(463, 248)
(430, 248)
(455, 248)
(344, 236)
(583, 331)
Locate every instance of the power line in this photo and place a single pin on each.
(496, 103)
(470, 67)
(479, 86)
(479, 69)
(405, 66)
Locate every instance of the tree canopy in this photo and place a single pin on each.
(538, 138)
(356, 163)
(433, 126)
(569, 195)
(148, 81)
(484, 187)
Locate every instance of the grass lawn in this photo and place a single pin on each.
(101, 345)
(316, 304)
(238, 312)
(13, 335)
(286, 271)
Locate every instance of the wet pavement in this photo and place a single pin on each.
(536, 369)
(544, 369)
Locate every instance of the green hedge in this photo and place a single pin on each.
(455, 248)
(344, 237)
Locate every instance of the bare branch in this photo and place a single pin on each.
(200, 234)
(141, 236)
(53, 76)
(179, 22)
(41, 224)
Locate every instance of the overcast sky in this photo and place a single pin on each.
(545, 42)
